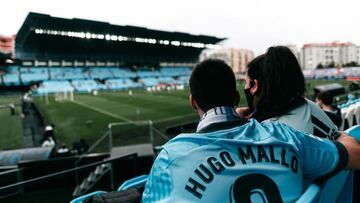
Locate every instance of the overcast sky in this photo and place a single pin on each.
(252, 24)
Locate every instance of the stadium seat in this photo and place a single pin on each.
(338, 188)
(134, 182)
(311, 194)
(82, 198)
(137, 181)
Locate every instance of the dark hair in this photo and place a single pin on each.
(325, 97)
(281, 81)
(212, 84)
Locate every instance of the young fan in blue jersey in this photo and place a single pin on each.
(274, 88)
(231, 159)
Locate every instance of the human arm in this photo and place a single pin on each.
(243, 112)
(353, 148)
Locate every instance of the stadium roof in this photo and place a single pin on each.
(44, 37)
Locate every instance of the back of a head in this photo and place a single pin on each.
(325, 97)
(212, 84)
(280, 78)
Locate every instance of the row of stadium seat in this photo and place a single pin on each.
(16, 76)
(89, 85)
(350, 113)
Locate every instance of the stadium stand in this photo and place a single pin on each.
(44, 37)
(101, 73)
(122, 73)
(178, 71)
(121, 84)
(12, 76)
(184, 79)
(147, 73)
(86, 85)
(76, 55)
(29, 75)
(167, 80)
(54, 86)
(150, 82)
(68, 73)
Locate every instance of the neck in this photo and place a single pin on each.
(217, 115)
(327, 107)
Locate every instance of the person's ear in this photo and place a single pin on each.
(193, 103)
(254, 87)
(236, 98)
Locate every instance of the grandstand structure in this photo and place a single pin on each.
(59, 54)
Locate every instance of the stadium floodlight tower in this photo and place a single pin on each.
(57, 40)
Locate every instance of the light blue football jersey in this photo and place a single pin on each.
(252, 162)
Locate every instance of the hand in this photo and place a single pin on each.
(243, 112)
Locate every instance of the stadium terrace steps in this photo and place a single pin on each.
(91, 179)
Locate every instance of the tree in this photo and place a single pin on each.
(320, 66)
(351, 64)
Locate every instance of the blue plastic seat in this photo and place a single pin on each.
(82, 198)
(139, 180)
(338, 188)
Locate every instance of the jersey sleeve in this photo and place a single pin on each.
(159, 184)
(320, 158)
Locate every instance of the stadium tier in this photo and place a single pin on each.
(52, 80)
(101, 73)
(122, 73)
(121, 84)
(55, 86)
(87, 85)
(68, 73)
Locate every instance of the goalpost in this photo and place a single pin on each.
(64, 96)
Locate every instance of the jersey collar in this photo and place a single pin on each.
(217, 115)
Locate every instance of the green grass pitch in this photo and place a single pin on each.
(88, 116)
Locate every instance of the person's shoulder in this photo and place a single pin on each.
(320, 114)
(181, 144)
(282, 131)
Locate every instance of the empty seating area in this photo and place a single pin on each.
(60, 79)
(101, 73)
(29, 75)
(86, 85)
(12, 77)
(350, 113)
(54, 86)
(68, 73)
(121, 84)
(178, 71)
(122, 73)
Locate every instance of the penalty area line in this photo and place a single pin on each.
(103, 111)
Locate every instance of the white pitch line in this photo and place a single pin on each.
(103, 112)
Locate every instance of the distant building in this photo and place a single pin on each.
(315, 55)
(237, 59)
(294, 49)
(7, 45)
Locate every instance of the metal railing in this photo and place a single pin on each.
(21, 184)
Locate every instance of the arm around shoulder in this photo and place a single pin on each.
(352, 147)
